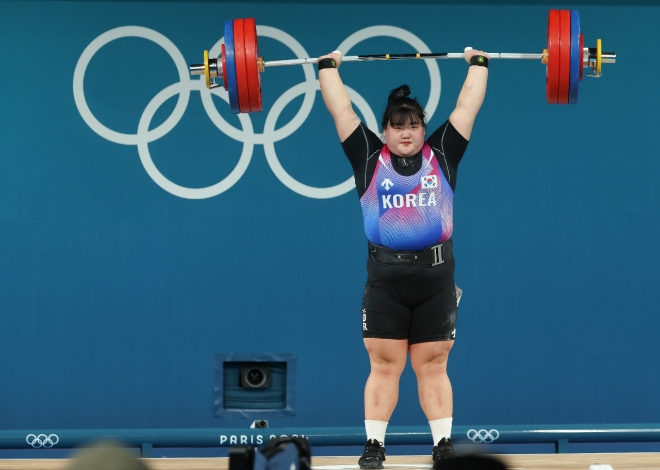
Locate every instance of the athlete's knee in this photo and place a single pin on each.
(387, 361)
(429, 368)
(386, 365)
(430, 358)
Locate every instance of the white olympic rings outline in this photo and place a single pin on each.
(42, 440)
(246, 135)
(483, 435)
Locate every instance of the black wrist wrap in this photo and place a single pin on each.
(327, 63)
(479, 60)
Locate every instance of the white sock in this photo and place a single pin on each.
(376, 430)
(440, 428)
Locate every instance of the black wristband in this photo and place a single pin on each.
(327, 63)
(479, 60)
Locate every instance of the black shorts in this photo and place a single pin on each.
(417, 302)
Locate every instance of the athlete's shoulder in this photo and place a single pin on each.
(361, 140)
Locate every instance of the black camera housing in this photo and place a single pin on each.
(241, 457)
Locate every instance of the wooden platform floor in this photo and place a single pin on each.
(619, 461)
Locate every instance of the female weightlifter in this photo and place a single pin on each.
(406, 189)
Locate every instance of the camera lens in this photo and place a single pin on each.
(255, 377)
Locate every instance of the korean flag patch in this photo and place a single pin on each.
(429, 181)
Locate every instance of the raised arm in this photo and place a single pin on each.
(336, 98)
(471, 96)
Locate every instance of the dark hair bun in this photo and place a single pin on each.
(401, 92)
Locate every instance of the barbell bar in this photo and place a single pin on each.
(565, 57)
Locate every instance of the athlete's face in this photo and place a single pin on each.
(405, 140)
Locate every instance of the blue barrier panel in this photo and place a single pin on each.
(337, 436)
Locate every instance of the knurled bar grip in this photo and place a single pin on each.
(418, 55)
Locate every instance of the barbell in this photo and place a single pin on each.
(239, 65)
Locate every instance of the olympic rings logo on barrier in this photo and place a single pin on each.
(42, 440)
(483, 435)
(270, 135)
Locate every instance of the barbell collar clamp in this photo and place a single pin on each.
(606, 57)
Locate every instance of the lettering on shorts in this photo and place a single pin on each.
(364, 320)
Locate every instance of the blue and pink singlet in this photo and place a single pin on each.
(408, 213)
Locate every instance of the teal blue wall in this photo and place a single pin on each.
(117, 292)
